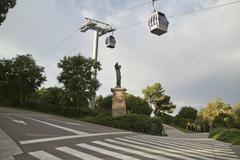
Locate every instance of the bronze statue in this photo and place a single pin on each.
(118, 75)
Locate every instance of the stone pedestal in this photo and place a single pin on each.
(118, 102)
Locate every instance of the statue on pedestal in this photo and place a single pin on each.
(118, 75)
(118, 101)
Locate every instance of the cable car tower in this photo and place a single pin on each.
(99, 29)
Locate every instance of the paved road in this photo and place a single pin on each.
(48, 137)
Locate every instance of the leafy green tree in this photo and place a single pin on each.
(76, 78)
(5, 5)
(214, 109)
(187, 115)
(20, 77)
(156, 98)
(237, 111)
(29, 76)
(137, 105)
(7, 77)
(223, 120)
(106, 103)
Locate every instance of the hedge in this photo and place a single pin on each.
(131, 122)
(226, 135)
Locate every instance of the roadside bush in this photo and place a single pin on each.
(137, 105)
(167, 119)
(131, 122)
(226, 135)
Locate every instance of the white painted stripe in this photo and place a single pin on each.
(64, 122)
(42, 155)
(183, 152)
(132, 151)
(192, 143)
(176, 149)
(210, 148)
(78, 154)
(57, 126)
(106, 152)
(184, 143)
(171, 144)
(70, 137)
(172, 138)
(149, 149)
(17, 121)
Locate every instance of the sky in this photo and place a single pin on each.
(197, 60)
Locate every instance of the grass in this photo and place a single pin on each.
(229, 135)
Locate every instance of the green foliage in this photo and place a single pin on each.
(137, 105)
(188, 113)
(5, 5)
(105, 103)
(76, 78)
(132, 122)
(19, 78)
(223, 120)
(160, 102)
(167, 119)
(226, 135)
(185, 117)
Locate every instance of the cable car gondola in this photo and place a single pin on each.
(110, 42)
(158, 22)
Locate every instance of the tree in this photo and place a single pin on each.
(237, 111)
(187, 115)
(20, 77)
(156, 98)
(137, 105)
(5, 5)
(76, 77)
(214, 109)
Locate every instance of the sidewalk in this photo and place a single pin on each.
(8, 147)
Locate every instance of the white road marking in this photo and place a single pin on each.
(65, 122)
(176, 149)
(187, 143)
(182, 145)
(42, 155)
(78, 154)
(106, 152)
(69, 137)
(150, 149)
(57, 126)
(132, 151)
(17, 121)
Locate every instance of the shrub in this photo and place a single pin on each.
(132, 122)
(226, 135)
(137, 105)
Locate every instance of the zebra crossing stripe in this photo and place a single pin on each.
(42, 155)
(78, 154)
(211, 156)
(183, 143)
(180, 142)
(181, 146)
(150, 149)
(106, 152)
(168, 148)
(172, 145)
(132, 151)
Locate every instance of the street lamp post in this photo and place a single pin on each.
(100, 29)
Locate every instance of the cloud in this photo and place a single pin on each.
(196, 61)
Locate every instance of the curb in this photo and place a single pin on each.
(8, 147)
